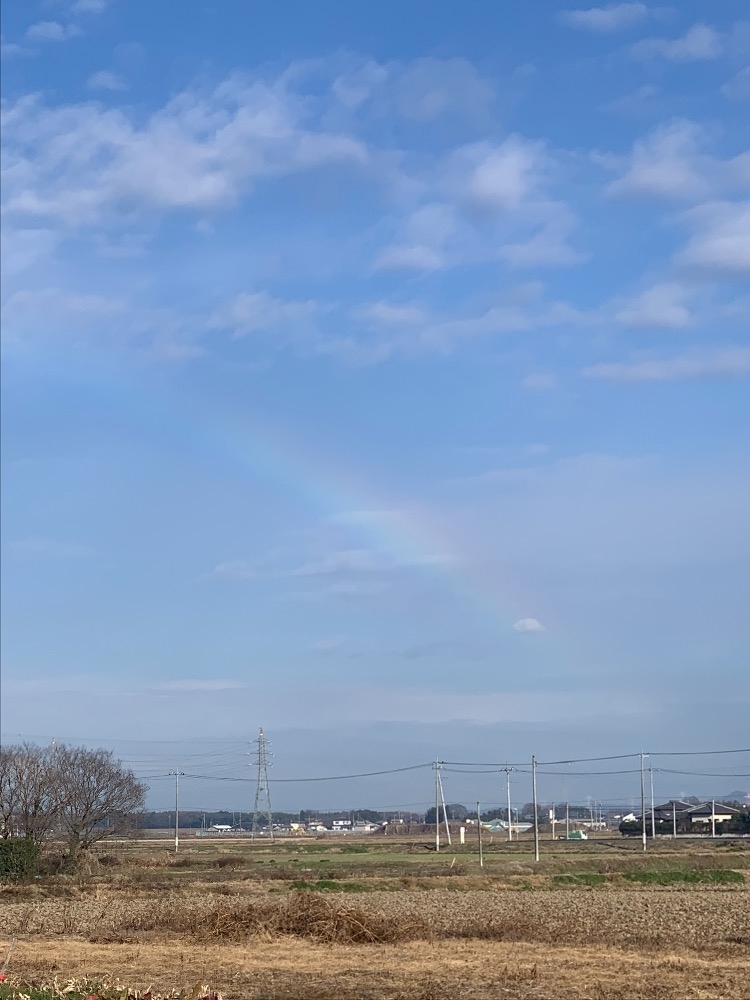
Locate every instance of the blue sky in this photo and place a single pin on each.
(377, 374)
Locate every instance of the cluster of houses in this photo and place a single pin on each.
(338, 826)
(686, 816)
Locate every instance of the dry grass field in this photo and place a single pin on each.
(375, 920)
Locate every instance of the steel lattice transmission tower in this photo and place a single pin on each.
(262, 790)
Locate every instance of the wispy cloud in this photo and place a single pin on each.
(738, 87)
(540, 381)
(720, 244)
(235, 569)
(52, 31)
(528, 625)
(667, 163)
(701, 42)
(89, 6)
(610, 18)
(190, 684)
(105, 79)
(256, 312)
(731, 362)
(48, 547)
(199, 151)
(662, 305)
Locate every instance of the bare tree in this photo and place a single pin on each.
(28, 797)
(8, 790)
(96, 796)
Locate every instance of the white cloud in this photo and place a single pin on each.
(51, 31)
(738, 88)
(540, 381)
(537, 449)
(667, 163)
(528, 625)
(41, 547)
(502, 177)
(495, 206)
(326, 645)
(663, 305)
(723, 363)
(424, 236)
(47, 311)
(389, 314)
(346, 561)
(86, 165)
(403, 257)
(105, 79)
(548, 246)
(234, 569)
(421, 90)
(344, 590)
(614, 17)
(195, 684)
(429, 88)
(89, 6)
(700, 42)
(720, 245)
(640, 101)
(10, 49)
(365, 562)
(256, 312)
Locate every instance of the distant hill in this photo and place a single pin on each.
(735, 796)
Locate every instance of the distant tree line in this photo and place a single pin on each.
(196, 819)
(72, 792)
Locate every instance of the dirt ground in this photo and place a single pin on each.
(459, 970)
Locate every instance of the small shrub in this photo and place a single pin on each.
(582, 878)
(19, 858)
(717, 876)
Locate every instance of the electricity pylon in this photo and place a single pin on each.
(262, 791)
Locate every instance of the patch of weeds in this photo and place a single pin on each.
(716, 877)
(329, 885)
(354, 849)
(581, 878)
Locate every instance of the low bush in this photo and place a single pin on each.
(19, 858)
(717, 876)
(582, 878)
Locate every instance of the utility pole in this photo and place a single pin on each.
(653, 814)
(643, 805)
(510, 815)
(445, 809)
(437, 807)
(479, 834)
(674, 819)
(553, 819)
(536, 813)
(567, 821)
(177, 774)
(713, 817)
(262, 789)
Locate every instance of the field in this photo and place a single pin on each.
(381, 919)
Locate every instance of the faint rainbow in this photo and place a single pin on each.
(410, 535)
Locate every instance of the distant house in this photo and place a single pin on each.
(708, 812)
(668, 810)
